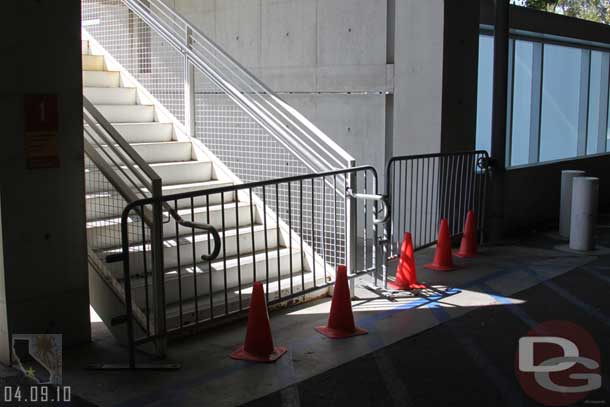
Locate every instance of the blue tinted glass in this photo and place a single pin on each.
(560, 102)
(598, 94)
(485, 92)
(522, 103)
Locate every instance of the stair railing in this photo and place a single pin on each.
(114, 164)
(307, 142)
(217, 101)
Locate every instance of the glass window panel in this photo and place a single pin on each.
(560, 102)
(522, 103)
(598, 95)
(485, 92)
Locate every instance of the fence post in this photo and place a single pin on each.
(158, 279)
(189, 89)
(351, 224)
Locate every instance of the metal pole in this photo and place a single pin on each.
(351, 232)
(158, 269)
(189, 89)
(499, 118)
(585, 196)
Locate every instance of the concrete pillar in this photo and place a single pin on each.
(4, 335)
(565, 205)
(585, 195)
(44, 250)
(418, 77)
(499, 119)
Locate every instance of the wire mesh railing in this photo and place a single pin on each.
(214, 99)
(114, 176)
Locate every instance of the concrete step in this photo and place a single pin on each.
(109, 203)
(186, 172)
(274, 290)
(85, 50)
(93, 63)
(127, 113)
(111, 96)
(145, 132)
(202, 200)
(235, 270)
(158, 152)
(101, 79)
(172, 173)
(183, 247)
(104, 234)
(170, 151)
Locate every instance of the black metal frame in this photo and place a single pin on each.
(420, 190)
(334, 186)
(423, 189)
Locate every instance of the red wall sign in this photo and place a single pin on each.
(41, 113)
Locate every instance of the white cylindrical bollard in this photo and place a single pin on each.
(565, 205)
(585, 195)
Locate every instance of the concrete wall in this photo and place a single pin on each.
(460, 74)
(418, 76)
(4, 332)
(43, 224)
(335, 60)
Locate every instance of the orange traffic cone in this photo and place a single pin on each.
(406, 272)
(468, 246)
(341, 319)
(258, 346)
(442, 257)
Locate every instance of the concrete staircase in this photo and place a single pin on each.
(184, 165)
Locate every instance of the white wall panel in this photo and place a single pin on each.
(355, 122)
(288, 33)
(352, 32)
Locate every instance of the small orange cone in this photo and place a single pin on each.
(258, 346)
(468, 247)
(341, 318)
(406, 272)
(443, 260)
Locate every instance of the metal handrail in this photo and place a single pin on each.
(382, 199)
(258, 184)
(119, 140)
(303, 139)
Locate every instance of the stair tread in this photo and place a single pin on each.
(169, 163)
(200, 236)
(271, 289)
(181, 212)
(218, 265)
(103, 88)
(196, 184)
(105, 70)
(169, 188)
(186, 163)
(148, 105)
(153, 143)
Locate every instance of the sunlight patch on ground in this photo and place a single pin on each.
(432, 299)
